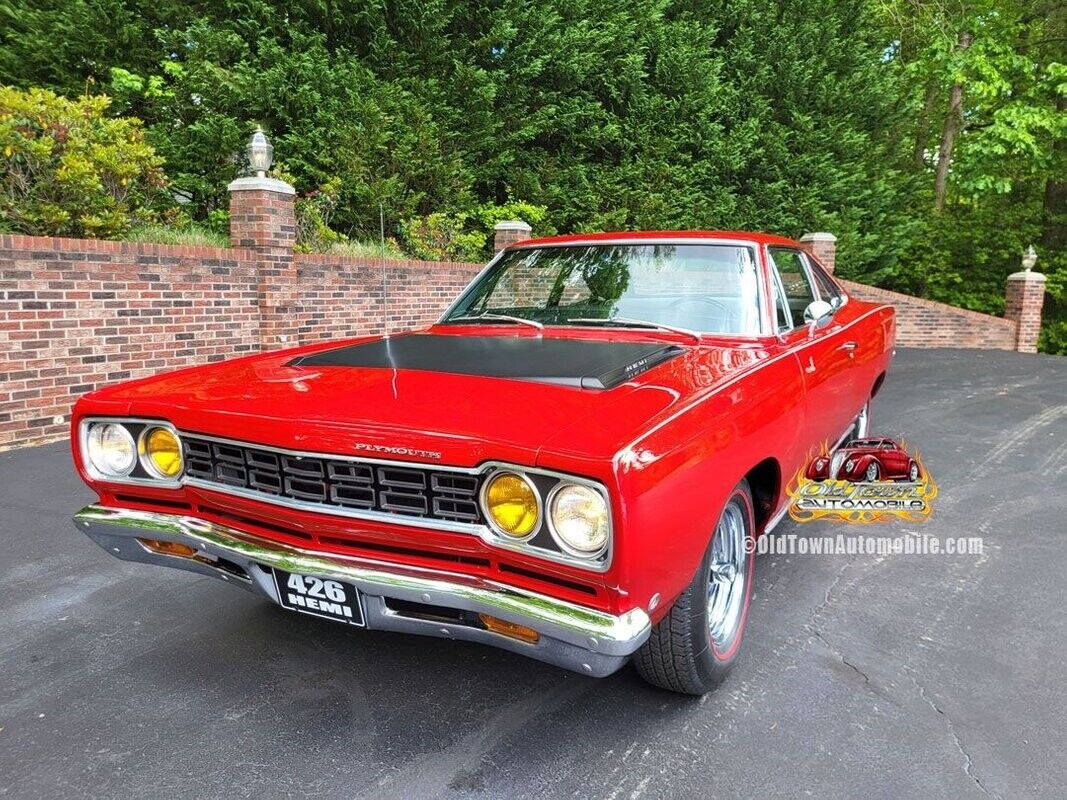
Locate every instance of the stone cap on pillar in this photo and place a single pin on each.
(255, 183)
(1027, 275)
(509, 232)
(818, 236)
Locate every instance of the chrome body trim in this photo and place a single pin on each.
(574, 637)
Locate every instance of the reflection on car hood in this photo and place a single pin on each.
(293, 399)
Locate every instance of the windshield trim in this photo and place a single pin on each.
(761, 289)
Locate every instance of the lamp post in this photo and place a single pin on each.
(260, 153)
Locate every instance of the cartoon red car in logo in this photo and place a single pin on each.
(866, 460)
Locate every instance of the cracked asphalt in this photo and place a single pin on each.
(861, 675)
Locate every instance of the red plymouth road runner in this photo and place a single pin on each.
(572, 464)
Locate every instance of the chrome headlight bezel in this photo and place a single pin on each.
(135, 427)
(544, 542)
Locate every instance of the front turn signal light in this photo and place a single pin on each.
(166, 548)
(161, 453)
(512, 629)
(512, 505)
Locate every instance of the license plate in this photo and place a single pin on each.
(320, 597)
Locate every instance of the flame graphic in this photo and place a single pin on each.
(925, 490)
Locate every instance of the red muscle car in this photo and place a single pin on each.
(572, 464)
(867, 460)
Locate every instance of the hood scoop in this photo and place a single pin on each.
(587, 364)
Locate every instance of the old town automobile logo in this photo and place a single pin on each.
(382, 449)
(874, 479)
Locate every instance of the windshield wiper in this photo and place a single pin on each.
(630, 322)
(497, 317)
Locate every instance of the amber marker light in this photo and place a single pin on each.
(512, 505)
(505, 628)
(161, 453)
(169, 548)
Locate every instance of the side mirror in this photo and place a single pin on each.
(818, 313)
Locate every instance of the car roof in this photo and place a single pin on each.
(652, 236)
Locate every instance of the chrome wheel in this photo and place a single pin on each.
(872, 472)
(728, 577)
(913, 473)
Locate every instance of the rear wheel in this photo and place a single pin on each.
(692, 649)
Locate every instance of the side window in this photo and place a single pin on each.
(828, 290)
(790, 265)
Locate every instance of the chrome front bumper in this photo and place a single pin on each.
(571, 636)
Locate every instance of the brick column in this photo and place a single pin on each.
(823, 246)
(262, 219)
(508, 233)
(1023, 298)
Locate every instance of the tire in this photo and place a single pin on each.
(913, 472)
(681, 655)
(871, 474)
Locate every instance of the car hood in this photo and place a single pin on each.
(305, 400)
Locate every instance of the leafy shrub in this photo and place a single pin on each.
(68, 170)
(463, 236)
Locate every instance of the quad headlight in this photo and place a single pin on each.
(161, 452)
(131, 450)
(111, 450)
(580, 519)
(547, 514)
(513, 505)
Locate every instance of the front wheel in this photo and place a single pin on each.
(872, 472)
(692, 649)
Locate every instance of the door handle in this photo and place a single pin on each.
(848, 346)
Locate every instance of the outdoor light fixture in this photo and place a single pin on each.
(1029, 258)
(260, 152)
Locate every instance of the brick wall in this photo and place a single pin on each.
(76, 314)
(924, 323)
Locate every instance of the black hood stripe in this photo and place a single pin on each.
(588, 364)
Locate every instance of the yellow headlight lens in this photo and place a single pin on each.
(512, 504)
(163, 453)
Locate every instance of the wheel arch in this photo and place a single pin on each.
(765, 483)
(878, 383)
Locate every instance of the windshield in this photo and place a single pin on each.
(708, 288)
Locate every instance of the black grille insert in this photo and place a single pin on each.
(408, 491)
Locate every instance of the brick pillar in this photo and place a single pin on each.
(508, 233)
(262, 219)
(823, 246)
(1023, 298)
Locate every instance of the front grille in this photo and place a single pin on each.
(356, 485)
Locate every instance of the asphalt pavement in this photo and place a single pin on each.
(861, 675)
